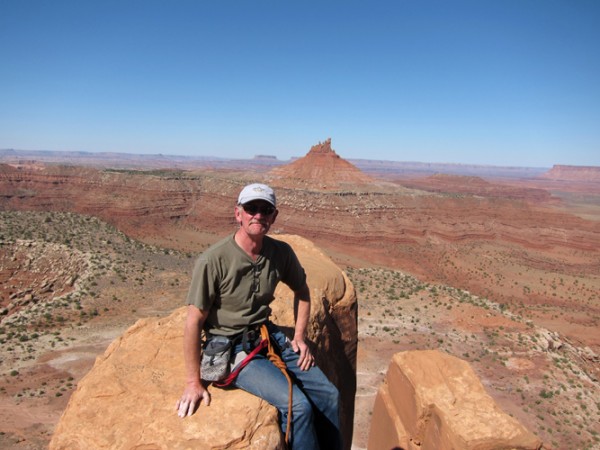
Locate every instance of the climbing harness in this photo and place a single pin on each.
(274, 357)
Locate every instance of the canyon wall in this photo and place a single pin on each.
(386, 219)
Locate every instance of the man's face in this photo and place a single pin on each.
(256, 217)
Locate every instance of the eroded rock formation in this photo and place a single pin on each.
(128, 399)
(433, 401)
(322, 168)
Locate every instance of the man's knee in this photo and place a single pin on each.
(302, 408)
(331, 395)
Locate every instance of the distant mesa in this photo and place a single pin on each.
(573, 173)
(321, 168)
(470, 185)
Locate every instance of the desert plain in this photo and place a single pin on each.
(501, 271)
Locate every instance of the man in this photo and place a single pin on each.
(232, 286)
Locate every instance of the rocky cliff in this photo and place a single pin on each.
(573, 173)
(321, 168)
(127, 400)
(433, 401)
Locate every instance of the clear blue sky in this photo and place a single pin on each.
(506, 82)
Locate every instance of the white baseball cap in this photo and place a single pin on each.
(257, 191)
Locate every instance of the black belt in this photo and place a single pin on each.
(249, 337)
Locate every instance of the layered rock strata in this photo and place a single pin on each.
(138, 203)
(384, 221)
(464, 185)
(127, 400)
(573, 173)
(433, 401)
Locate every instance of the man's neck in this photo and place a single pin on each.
(252, 245)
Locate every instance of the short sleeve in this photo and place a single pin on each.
(203, 290)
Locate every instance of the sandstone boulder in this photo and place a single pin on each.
(433, 401)
(127, 400)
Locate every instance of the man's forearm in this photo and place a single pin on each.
(194, 392)
(301, 312)
(191, 345)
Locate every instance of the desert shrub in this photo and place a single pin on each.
(546, 394)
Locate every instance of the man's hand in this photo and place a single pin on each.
(194, 390)
(192, 395)
(306, 360)
(301, 316)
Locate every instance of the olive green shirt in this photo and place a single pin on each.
(235, 289)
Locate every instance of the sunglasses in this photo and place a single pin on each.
(253, 209)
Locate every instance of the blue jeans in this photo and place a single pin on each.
(315, 409)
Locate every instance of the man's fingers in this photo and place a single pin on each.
(306, 360)
(206, 398)
(308, 363)
(191, 408)
(185, 407)
(182, 408)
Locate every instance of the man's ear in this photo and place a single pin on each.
(238, 214)
(274, 216)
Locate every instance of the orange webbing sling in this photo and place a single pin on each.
(276, 360)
